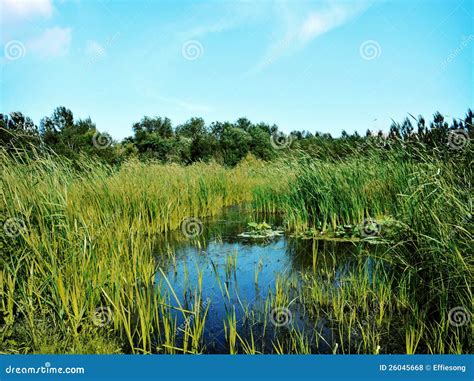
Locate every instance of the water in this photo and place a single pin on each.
(228, 288)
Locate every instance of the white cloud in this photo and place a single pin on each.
(18, 10)
(53, 42)
(318, 23)
(299, 30)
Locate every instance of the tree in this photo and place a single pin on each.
(244, 124)
(422, 130)
(468, 123)
(439, 130)
(55, 132)
(154, 138)
(192, 128)
(155, 126)
(406, 129)
(69, 138)
(62, 118)
(260, 144)
(17, 130)
(394, 132)
(235, 144)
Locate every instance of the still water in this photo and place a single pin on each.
(236, 274)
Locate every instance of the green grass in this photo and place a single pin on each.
(89, 233)
(87, 243)
(423, 274)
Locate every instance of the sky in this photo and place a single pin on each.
(321, 66)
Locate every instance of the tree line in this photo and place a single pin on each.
(156, 139)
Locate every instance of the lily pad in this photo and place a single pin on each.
(260, 231)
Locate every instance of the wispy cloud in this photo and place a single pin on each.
(19, 10)
(53, 42)
(233, 14)
(188, 106)
(219, 26)
(318, 23)
(300, 30)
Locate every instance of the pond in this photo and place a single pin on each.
(238, 275)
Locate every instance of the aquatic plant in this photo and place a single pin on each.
(260, 230)
(78, 266)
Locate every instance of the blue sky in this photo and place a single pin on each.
(307, 65)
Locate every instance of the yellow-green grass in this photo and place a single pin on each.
(88, 243)
(87, 250)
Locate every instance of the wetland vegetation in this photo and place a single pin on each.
(301, 244)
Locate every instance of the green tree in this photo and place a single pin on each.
(234, 144)
(154, 138)
(17, 130)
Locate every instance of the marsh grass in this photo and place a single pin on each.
(88, 244)
(90, 233)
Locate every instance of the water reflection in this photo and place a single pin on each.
(237, 274)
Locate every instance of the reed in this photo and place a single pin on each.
(87, 243)
(78, 271)
(422, 271)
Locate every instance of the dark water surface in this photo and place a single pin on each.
(274, 259)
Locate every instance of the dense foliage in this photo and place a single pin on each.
(79, 236)
(224, 142)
